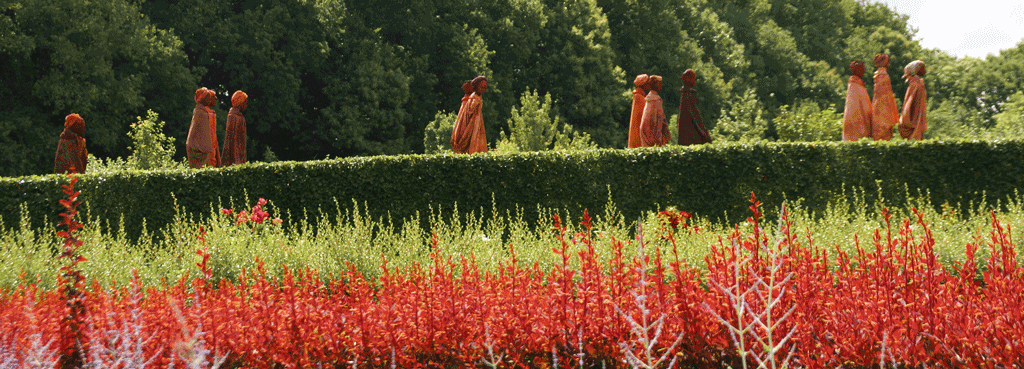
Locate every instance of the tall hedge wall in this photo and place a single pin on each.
(713, 181)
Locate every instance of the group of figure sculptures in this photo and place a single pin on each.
(862, 117)
(201, 146)
(647, 123)
(875, 119)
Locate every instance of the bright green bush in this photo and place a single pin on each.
(808, 122)
(535, 127)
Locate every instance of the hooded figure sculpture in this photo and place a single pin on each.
(467, 90)
(691, 125)
(884, 114)
(653, 126)
(642, 84)
(201, 144)
(857, 114)
(71, 152)
(234, 132)
(468, 135)
(914, 121)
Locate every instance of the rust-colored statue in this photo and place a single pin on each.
(639, 94)
(884, 114)
(857, 115)
(468, 136)
(467, 90)
(201, 144)
(234, 133)
(691, 125)
(653, 126)
(914, 121)
(71, 152)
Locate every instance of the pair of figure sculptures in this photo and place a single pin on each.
(468, 136)
(647, 123)
(864, 117)
(201, 145)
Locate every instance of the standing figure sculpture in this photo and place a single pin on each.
(857, 114)
(884, 114)
(639, 94)
(653, 126)
(71, 152)
(468, 136)
(234, 132)
(914, 121)
(691, 125)
(201, 144)
(467, 90)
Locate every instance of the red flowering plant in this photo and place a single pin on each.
(253, 217)
(672, 220)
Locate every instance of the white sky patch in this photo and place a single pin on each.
(964, 28)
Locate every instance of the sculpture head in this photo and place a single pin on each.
(479, 85)
(857, 68)
(74, 123)
(200, 95)
(206, 97)
(881, 61)
(689, 78)
(642, 81)
(239, 100)
(655, 83)
(915, 67)
(467, 87)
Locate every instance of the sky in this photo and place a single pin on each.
(964, 28)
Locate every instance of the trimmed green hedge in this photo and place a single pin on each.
(710, 181)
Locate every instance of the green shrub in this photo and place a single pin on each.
(808, 122)
(438, 133)
(534, 127)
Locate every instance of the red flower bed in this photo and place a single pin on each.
(891, 303)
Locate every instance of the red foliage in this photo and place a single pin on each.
(891, 302)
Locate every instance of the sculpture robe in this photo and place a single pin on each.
(884, 114)
(70, 152)
(635, 116)
(234, 139)
(857, 114)
(691, 125)
(653, 126)
(199, 144)
(458, 118)
(914, 121)
(468, 136)
(215, 155)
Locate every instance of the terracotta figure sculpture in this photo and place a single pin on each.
(71, 152)
(913, 121)
(691, 125)
(653, 126)
(468, 136)
(234, 132)
(639, 94)
(857, 115)
(467, 90)
(201, 144)
(884, 114)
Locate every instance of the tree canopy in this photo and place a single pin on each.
(366, 77)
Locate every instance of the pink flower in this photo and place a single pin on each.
(277, 221)
(261, 202)
(227, 211)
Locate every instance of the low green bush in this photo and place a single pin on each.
(712, 181)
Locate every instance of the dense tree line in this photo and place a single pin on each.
(364, 77)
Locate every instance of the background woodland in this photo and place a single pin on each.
(334, 78)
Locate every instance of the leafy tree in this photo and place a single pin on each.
(150, 148)
(743, 120)
(438, 133)
(808, 122)
(103, 60)
(534, 127)
(1010, 121)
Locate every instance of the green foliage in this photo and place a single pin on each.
(951, 121)
(636, 180)
(808, 122)
(1009, 122)
(438, 133)
(101, 59)
(743, 121)
(534, 127)
(150, 148)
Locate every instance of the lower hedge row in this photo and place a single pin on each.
(710, 181)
